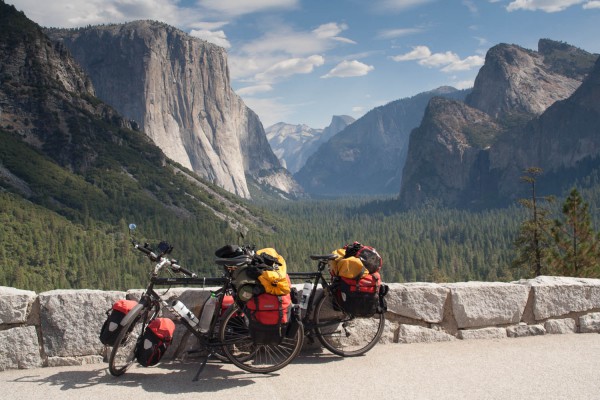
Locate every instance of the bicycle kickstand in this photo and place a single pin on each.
(202, 365)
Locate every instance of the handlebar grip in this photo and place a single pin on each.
(146, 251)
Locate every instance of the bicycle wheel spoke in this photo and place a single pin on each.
(343, 334)
(123, 352)
(242, 351)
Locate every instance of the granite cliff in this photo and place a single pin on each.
(526, 109)
(178, 90)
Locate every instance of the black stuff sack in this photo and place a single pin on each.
(155, 341)
(112, 326)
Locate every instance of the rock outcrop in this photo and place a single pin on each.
(368, 156)
(178, 90)
(445, 154)
(527, 109)
(515, 80)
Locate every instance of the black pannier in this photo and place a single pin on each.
(111, 327)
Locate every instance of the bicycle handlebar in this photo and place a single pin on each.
(162, 262)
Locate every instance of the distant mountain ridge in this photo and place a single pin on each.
(293, 144)
(526, 109)
(177, 88)
(368, 156)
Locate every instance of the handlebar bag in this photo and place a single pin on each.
(112, 326)
(155, 341)
(359, 297)
(268, 318)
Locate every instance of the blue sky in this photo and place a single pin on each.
(302, 61)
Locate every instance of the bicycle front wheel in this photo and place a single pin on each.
(123, 352)
(239, 347)
(344, 334)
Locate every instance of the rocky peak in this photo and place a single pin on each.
(294, 144)
(515, 80)
(567, 60)
(177, 88)
(443, 151)
(44, 93)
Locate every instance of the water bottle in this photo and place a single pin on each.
(185, 313)
(305, 295)
(207, 313)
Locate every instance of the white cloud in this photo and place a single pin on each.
(591, 4)
(217, 37)
(417, 53)
(282, 52)
(463, 84)
(464, 65)
(285, 40)
(448, 61)
(241, 7)
(439, 59)
(252, 90)
(348, 69)
(208, 26)
(399, 5)
(289, 67)
(68, 14)
(396, 33)
(544, 5)
(270, 110)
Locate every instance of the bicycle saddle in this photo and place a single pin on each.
(237, 261)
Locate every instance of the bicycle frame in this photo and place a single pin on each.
(317, 278)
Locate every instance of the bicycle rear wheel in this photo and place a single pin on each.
(239, 347)
(123, 352)
(344, 334)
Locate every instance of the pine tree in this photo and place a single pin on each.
(576, 250)
(534, 240)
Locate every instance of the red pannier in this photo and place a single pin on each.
(155, 342)
(112, 326)
(269, 315)
(359, 297)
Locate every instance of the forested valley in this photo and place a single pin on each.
(43, 250)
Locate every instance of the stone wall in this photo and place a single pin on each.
(61, 327)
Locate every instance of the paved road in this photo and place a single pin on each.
(543, 367)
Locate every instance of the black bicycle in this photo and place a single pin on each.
(227, 337)
(339, 330)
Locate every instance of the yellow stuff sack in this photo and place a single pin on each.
(274, 279)
(351, 267)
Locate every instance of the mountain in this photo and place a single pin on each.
(368, 156)
(74, 172)
(177, 88)
(515, 80)
(293, 144)
(521, 112)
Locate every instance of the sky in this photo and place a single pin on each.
(303, 61)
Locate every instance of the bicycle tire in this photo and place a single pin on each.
(123, 352)
(344, 334)
(243, 353)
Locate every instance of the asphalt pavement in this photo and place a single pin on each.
(542, 367)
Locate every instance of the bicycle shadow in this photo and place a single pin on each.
(166, 378)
